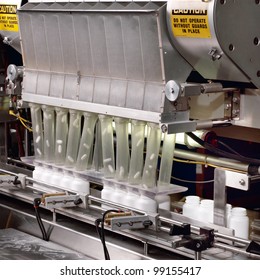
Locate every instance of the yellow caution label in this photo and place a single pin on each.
(190, 23)
(8, 18)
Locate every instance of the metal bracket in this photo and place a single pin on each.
(177, 121)
(60, 201)
(237, 180)
(240, 181)
(232, 105)
(10, 180)
(132, 222)
(197, 243)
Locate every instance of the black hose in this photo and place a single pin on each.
(101, 231)
(36, 204)
(222, 153)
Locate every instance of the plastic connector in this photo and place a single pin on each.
(78, 201)
(147, 223)
(183, 229)
(36, 202)
(253, 248)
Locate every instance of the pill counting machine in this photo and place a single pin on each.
(110, 90)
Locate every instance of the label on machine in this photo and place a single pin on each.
(190, 23)
(8, 17)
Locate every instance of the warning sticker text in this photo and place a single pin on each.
(8, 18)
(190, 23)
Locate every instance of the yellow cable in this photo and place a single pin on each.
(22, 120)
(206, 164)
(27, 127)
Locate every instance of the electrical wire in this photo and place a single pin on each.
(206, 164)
(220, 152)
(101, 231)
(36, 204)
(23, 121)
(228, 147)
(193, 182)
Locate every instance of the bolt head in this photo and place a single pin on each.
(164, 128)
(242, 182)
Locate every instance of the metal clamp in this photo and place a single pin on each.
(131, 222)
(60, 201)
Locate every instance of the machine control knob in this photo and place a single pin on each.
(173, 90)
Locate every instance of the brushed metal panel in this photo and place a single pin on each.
(28, 47)
(54, 43)
(133, 48)
(101, 91)
(70, 87)
(197, 50)
(114, 51)
(98, 45)
(83, 44)
(39, 39)
(30, 83)
(57, 85)
(118, 90)
(43, 83)
(135, 101)
(115, 46)
(67, 36)
(237, 27)
(153, 97)
(86, 89)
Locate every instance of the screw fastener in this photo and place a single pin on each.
(164, 128)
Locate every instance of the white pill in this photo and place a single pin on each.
(76, 123)
(110, 168)
(152, 156)
(86, 146)
(38, 139)
(137, 175)
(37, 128)
(139, 134)
(59, 149)
(59, 141)
(104, 131)
(121, 171)
(107, 160)
(150, 166)
(39, 151)
(83, 157)
(70, 159)
(63, 119)
(139, 142)
(47, 143)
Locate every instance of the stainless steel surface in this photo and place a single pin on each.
(102, 71)
(237, 180)
(184, 154)
(195, 28)
(249, 109)
(17, 245)
(220, 197)
(62, 234)
(243, 50)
